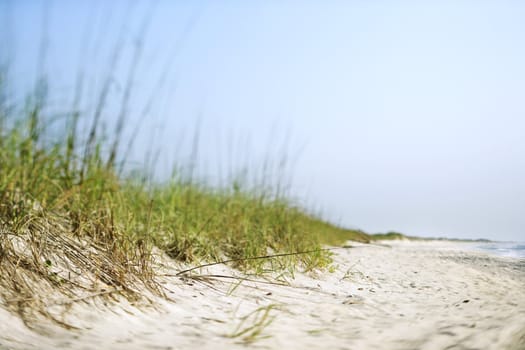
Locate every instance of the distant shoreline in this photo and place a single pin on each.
(400, 236)
(496, 248)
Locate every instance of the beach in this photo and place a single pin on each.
(393, 295)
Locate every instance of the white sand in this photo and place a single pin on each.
(411, 296)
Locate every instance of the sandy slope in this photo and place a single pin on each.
(410, 296)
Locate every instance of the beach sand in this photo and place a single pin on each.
(409, 295)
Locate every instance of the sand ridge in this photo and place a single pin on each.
(407, 296)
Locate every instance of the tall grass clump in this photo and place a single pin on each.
(71, 228)
(59, 236)
(75, 227)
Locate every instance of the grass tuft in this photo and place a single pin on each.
(252, 325)
(72, 229)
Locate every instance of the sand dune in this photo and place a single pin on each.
(409, 296)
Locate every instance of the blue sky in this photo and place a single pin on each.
(398, 115)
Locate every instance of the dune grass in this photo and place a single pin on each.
(71, 227)
(389, 236)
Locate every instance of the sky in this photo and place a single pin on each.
(392, 115)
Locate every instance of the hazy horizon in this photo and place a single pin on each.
(397, 115)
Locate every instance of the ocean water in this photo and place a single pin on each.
(509, 249)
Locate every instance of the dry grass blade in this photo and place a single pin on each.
(240, 278)
(262, 257)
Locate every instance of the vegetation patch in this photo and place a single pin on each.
(73, 228)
